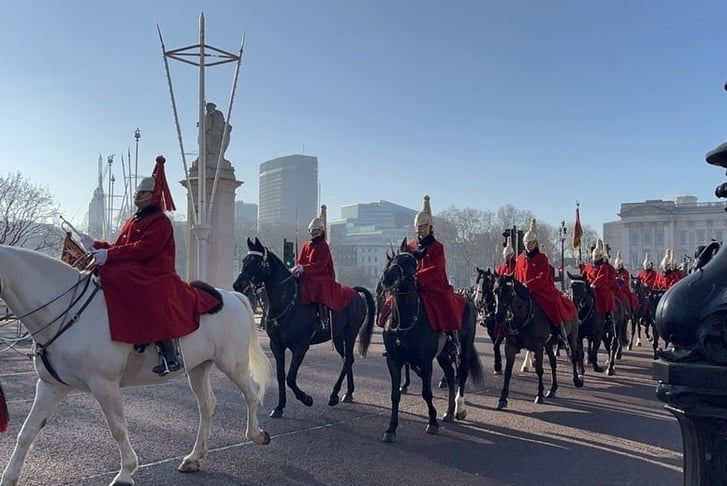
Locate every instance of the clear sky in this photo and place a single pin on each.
(478, 103)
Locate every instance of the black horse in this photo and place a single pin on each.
(295, 326)
(593, 324)
(530, 328)
(410, 339)
(485, 304)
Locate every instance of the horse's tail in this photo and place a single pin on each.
(474, 364)
(259, 362)
(4, 415)
(364, 334)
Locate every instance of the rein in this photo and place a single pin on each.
(396, 313)
(293, 298)
(531, 311)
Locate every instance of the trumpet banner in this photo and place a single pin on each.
(73, 254)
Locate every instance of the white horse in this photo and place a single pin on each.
(68, 320)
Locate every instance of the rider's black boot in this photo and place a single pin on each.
(453, 347)
(168, 358)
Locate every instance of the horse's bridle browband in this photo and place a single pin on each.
(253, 284)
(394, 289)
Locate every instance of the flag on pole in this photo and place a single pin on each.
(577, 230)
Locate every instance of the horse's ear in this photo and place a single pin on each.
(257, 243)
(250, 245)
(404, 246)
(479, 270)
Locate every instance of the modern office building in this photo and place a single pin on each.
(288, 190)
(652, 226)
(366, 231)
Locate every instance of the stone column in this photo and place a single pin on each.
(221, 240)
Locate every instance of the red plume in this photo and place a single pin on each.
(162, 195)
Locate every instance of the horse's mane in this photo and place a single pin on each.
(38, 259)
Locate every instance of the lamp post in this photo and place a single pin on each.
(563, 232)
(137, 136)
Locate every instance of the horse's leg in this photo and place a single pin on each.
(395, 374)
(468, 354)
(576, 345)
(292, 379)
(279, 355)
(527, 361)
(655, 343)
(407, 380)
(609, 342)
(554, 377)
(345, 350)
(108, 395)
(509, 363)
(428, 396)
(539, 372)
(200, 383)
(498, 355)
(593, 344)
(445, 362)
(47, 397)
(239, 373)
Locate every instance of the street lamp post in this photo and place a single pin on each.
(563, 233)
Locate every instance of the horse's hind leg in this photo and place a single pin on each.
(539, 398)
(200, 383)
(445, 362)
(509, 363)
(240, 375)
(552, 361)
(345, 350)
(47, 397)
(498, 355)
(108, 395)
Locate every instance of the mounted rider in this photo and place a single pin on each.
(508, 255)
(602, 278)
(647, 276)
(444, 307)
(314, 268)
(147, 300)
(533, 270)
(625, 276)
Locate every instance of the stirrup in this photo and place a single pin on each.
(165, 367)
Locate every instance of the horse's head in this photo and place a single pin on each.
(483, 288)
(256, 267)
(400, 268)
(578, 289)
(504, 292)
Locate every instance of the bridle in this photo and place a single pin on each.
(510, 283)
(264, 265)
(396, 290)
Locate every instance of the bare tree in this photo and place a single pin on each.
(27, 214)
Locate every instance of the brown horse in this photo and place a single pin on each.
(528, 327)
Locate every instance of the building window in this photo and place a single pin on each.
(701, 236)
(682, 237)
(659, 237)
(634, 238)
(646, 238)
(719, 235)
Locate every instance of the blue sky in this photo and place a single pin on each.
(478, 103)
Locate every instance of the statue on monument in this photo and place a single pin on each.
(214, 129)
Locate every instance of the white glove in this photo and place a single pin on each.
(593, 286)
(100, 256)
(87, 241)
(297, 270)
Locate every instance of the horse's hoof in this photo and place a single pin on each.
(611, 372)
(307, 401)
(263, 438)
(539, 400)
(598, 369)
(189, 467)
(497, 372)
(502, 405)
(447, 418)
(333, 401)
(442, 384)
(276, 413)
(390, 437)
(404, 390)
(578, 382)
(629, 348)
(549, 394)
(638, 343)
(461, 415)
(348, 398)
(432, 429)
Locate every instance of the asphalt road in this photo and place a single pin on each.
(611, 432)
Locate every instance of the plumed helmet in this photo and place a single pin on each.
(597, 250)
(618, 262)
(605, 252)
(425, 215)
(672, 262)
(645, 263)
(320, 221)
(665, 261)
(146, 184)
(508, 250)
(531, 234)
